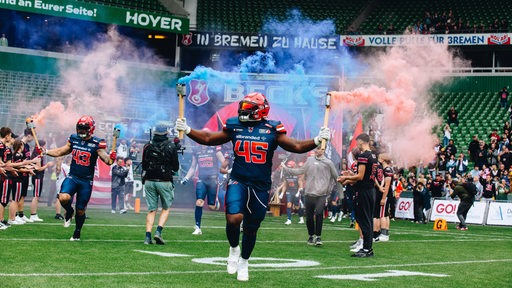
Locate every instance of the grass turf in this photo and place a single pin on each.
(112, 254)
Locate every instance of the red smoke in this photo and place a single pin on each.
(402, 78)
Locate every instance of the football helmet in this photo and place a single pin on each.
(254, 107)
(290, 164)
(85, 126)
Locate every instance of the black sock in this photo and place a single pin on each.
(233, 234)
(79, 220)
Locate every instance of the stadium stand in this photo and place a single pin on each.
(249, 16)
(476, 100)
(403, 13)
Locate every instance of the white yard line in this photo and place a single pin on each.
(386, 266)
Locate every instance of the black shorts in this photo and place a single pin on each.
(380, 211)
(37, 183)
(4, 191)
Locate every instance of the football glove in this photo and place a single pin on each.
(181, 125)
(323, 134)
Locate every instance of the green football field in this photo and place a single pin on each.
(112, 254)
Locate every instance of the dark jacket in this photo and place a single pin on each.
(119, 173)
(466, 192)
(171, 162)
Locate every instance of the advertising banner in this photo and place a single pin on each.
(404, 208)
(102, 14)
(447, 209)
(499, 214)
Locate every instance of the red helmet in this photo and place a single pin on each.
(253, 107)
(301, 164)
(85, 126)
(290, 164)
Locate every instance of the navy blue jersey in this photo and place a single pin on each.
(207, 161)
(292, 182)
(85, 155)
(254, 144)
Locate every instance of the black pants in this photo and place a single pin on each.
(419, 216)
(462, 212)
(363, 205)
(315, 207)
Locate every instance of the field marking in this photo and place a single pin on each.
(253, 270)
(371, 277)
(163, 254)
(285, 263)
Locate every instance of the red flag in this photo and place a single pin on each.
(399, 189)
(357, 131)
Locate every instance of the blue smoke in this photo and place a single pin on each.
(295, 63)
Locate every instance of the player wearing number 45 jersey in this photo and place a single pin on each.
(85, 150)
(254, 140)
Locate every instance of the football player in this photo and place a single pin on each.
(85, 150)
(205, 161)
(254, 139)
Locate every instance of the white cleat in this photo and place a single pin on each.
(67, 223)
(24, 218)
(340, 216)
(383, 238)
(243, 270)
(19, 220)
(333, 219)
(358, 243)
(197, 231)
(234, 254)
(288, 222)
(15, 222)
(36, 218)
(301, 220)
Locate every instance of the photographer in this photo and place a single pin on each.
(466, 192)
(159, 163)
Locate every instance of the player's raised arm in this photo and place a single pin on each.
(202, 136)
(107, 158)
(301, 146)
(60, 151)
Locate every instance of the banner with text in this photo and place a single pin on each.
(448, 39)
(259, 41)
(404, 208)
(196, 39)
(447, 209)
(100, 13)
(500, 214)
